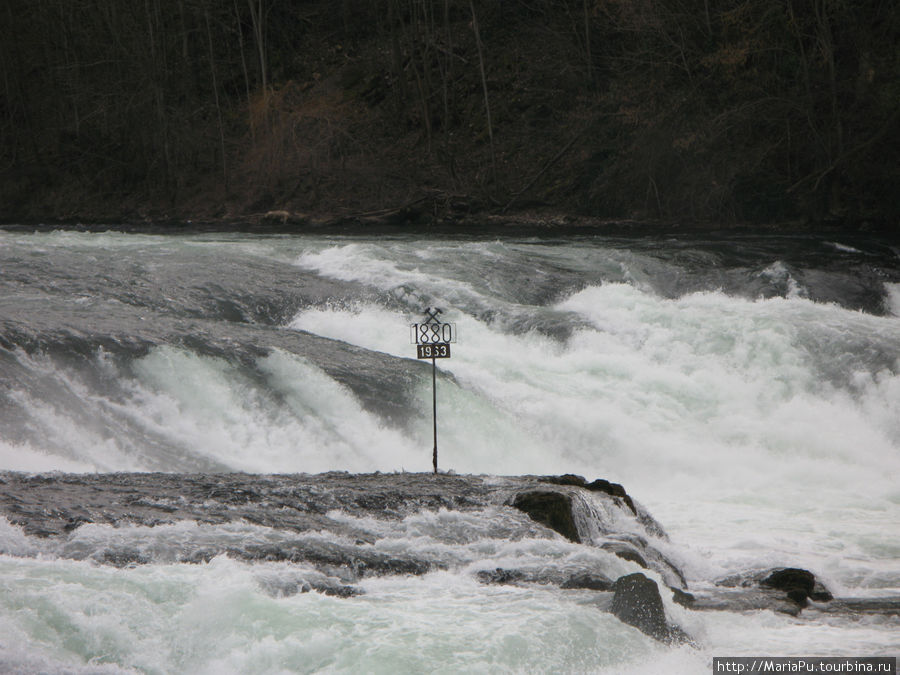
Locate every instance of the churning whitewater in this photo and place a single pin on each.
(744, 389)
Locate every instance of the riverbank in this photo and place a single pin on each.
(419, 218)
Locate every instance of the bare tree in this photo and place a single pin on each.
(258, 17)
(215, 87)
(487, 102)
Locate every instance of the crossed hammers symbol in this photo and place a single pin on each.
(431, 315)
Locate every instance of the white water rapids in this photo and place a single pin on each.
(749, 400)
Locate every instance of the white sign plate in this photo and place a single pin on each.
(432, 333)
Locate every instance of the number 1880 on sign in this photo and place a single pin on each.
(432, 333)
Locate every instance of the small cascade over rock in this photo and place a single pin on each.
(600, 514)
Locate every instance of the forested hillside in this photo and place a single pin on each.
(722, 110)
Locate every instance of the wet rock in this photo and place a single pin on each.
(53, 506)
(786, 590)
(557, 510)
(338, 590)
(355, 561)
(796, 584)
(74, 523)
(501, 576)
(683, 598)
(199, 556)
(637, 602)
(584, 580)
(625, 551)
(744, 600)
(566, 479)
(599, 485)
(284, 588)
(122, 557)
(638, 550)
(799, 585)
(588, 581)
(552, 509)
(613, 490)
(862, 607)
(762, 597)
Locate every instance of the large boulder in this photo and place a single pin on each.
(637, 602)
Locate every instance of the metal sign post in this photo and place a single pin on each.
(434, 410)
(432, 338)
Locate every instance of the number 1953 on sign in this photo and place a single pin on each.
(440, 350)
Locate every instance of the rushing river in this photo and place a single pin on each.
(744, 389)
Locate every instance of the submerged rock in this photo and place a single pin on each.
(122, 557)
(858, 607)
(590, 581)
(279, 587)
(638, 550)
(502, 576)
(796, 584)
(786, 590)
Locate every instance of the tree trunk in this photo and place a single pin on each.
(240, 34)
(258, 17)
(587, 42)
(158, 94)
(215, 86)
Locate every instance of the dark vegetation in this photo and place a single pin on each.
(718, 110)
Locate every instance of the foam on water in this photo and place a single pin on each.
(301, 420)
(724, 399)
(178, 411)
(893, 298)
(760, 431)
(213, 618)
(218, 617)
(229, 617)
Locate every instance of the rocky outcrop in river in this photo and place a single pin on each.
(339, 528)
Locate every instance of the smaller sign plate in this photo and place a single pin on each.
(437, 350)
